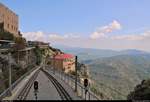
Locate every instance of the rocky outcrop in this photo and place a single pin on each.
(4, 59)
(141, 91)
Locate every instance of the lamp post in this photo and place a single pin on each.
(10, 74)
(18, 57)
(54, 63)
(44, 62)
(76, 75)
(44, 59)
(10, 79)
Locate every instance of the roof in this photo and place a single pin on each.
(64, 56)
(27, 49)
(6, 41)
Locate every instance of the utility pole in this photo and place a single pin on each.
(76, 75)
(18, 57)
(9, 65)
(26, 57)
(10, 88)
(43, 62)
(54, 64)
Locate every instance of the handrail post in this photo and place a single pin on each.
(10, 78)
(89, 95)
(76, 62)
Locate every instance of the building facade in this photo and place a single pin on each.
(9, 20)
(38, 43)
(63, 62)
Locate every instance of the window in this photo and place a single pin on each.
(1, 15)
(12, 27)
(8, 25)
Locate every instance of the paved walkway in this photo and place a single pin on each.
(68, 88)
(46, 91)
(20, 86)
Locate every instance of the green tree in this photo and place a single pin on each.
(38, 54)
(4, 35)
(20, 43)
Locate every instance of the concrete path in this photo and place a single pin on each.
(46, 91)
(68, 88)
(20, 86)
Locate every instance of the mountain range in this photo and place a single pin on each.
(121, 73)
(115, 73)
(91, 53)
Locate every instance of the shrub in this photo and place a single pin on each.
(20, 43)
(38, 54)
(4, 35)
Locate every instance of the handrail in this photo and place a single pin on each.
(6, 92)
(68, 77)
(114, 90)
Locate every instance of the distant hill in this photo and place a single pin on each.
(120, 72)
(85, 53)
(115, 73)
(141, 91)
(132, 52)
(91, 54)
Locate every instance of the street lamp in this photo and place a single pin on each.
(54, 64)
(43, 62)
(76, 74)
(10, 74)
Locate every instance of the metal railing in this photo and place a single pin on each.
(7, 91)
(70, 80)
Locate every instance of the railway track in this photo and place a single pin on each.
(23, 94)
(62, 92)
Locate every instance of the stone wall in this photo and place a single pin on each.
(9, 20)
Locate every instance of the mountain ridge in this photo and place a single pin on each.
(114, 73)
(91, 54)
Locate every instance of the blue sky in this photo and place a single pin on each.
(83, 18)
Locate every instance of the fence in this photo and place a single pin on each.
(7, 91)
(70, 80)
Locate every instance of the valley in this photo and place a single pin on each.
(114, 73)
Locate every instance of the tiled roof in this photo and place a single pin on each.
(63, 56)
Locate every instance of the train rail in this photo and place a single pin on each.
(23, 94)
(62, 92)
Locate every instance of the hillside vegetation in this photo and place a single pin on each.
(114, 74)
(117, 76)
(141, 91)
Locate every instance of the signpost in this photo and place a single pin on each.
(10, 73)
(36, 88)
(76, 62)
(54, 64)
(86, 83)
(36, 85)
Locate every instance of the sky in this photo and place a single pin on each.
(101, 24)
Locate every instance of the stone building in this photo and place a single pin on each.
(38, 43)
(8, 20)
(63, 62)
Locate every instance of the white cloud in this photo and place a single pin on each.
(71, 35)
(66, 36)
(55, 36)
(102, 31)
(47, 37)
(117, 42)
(133, 37)
(38, 36)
